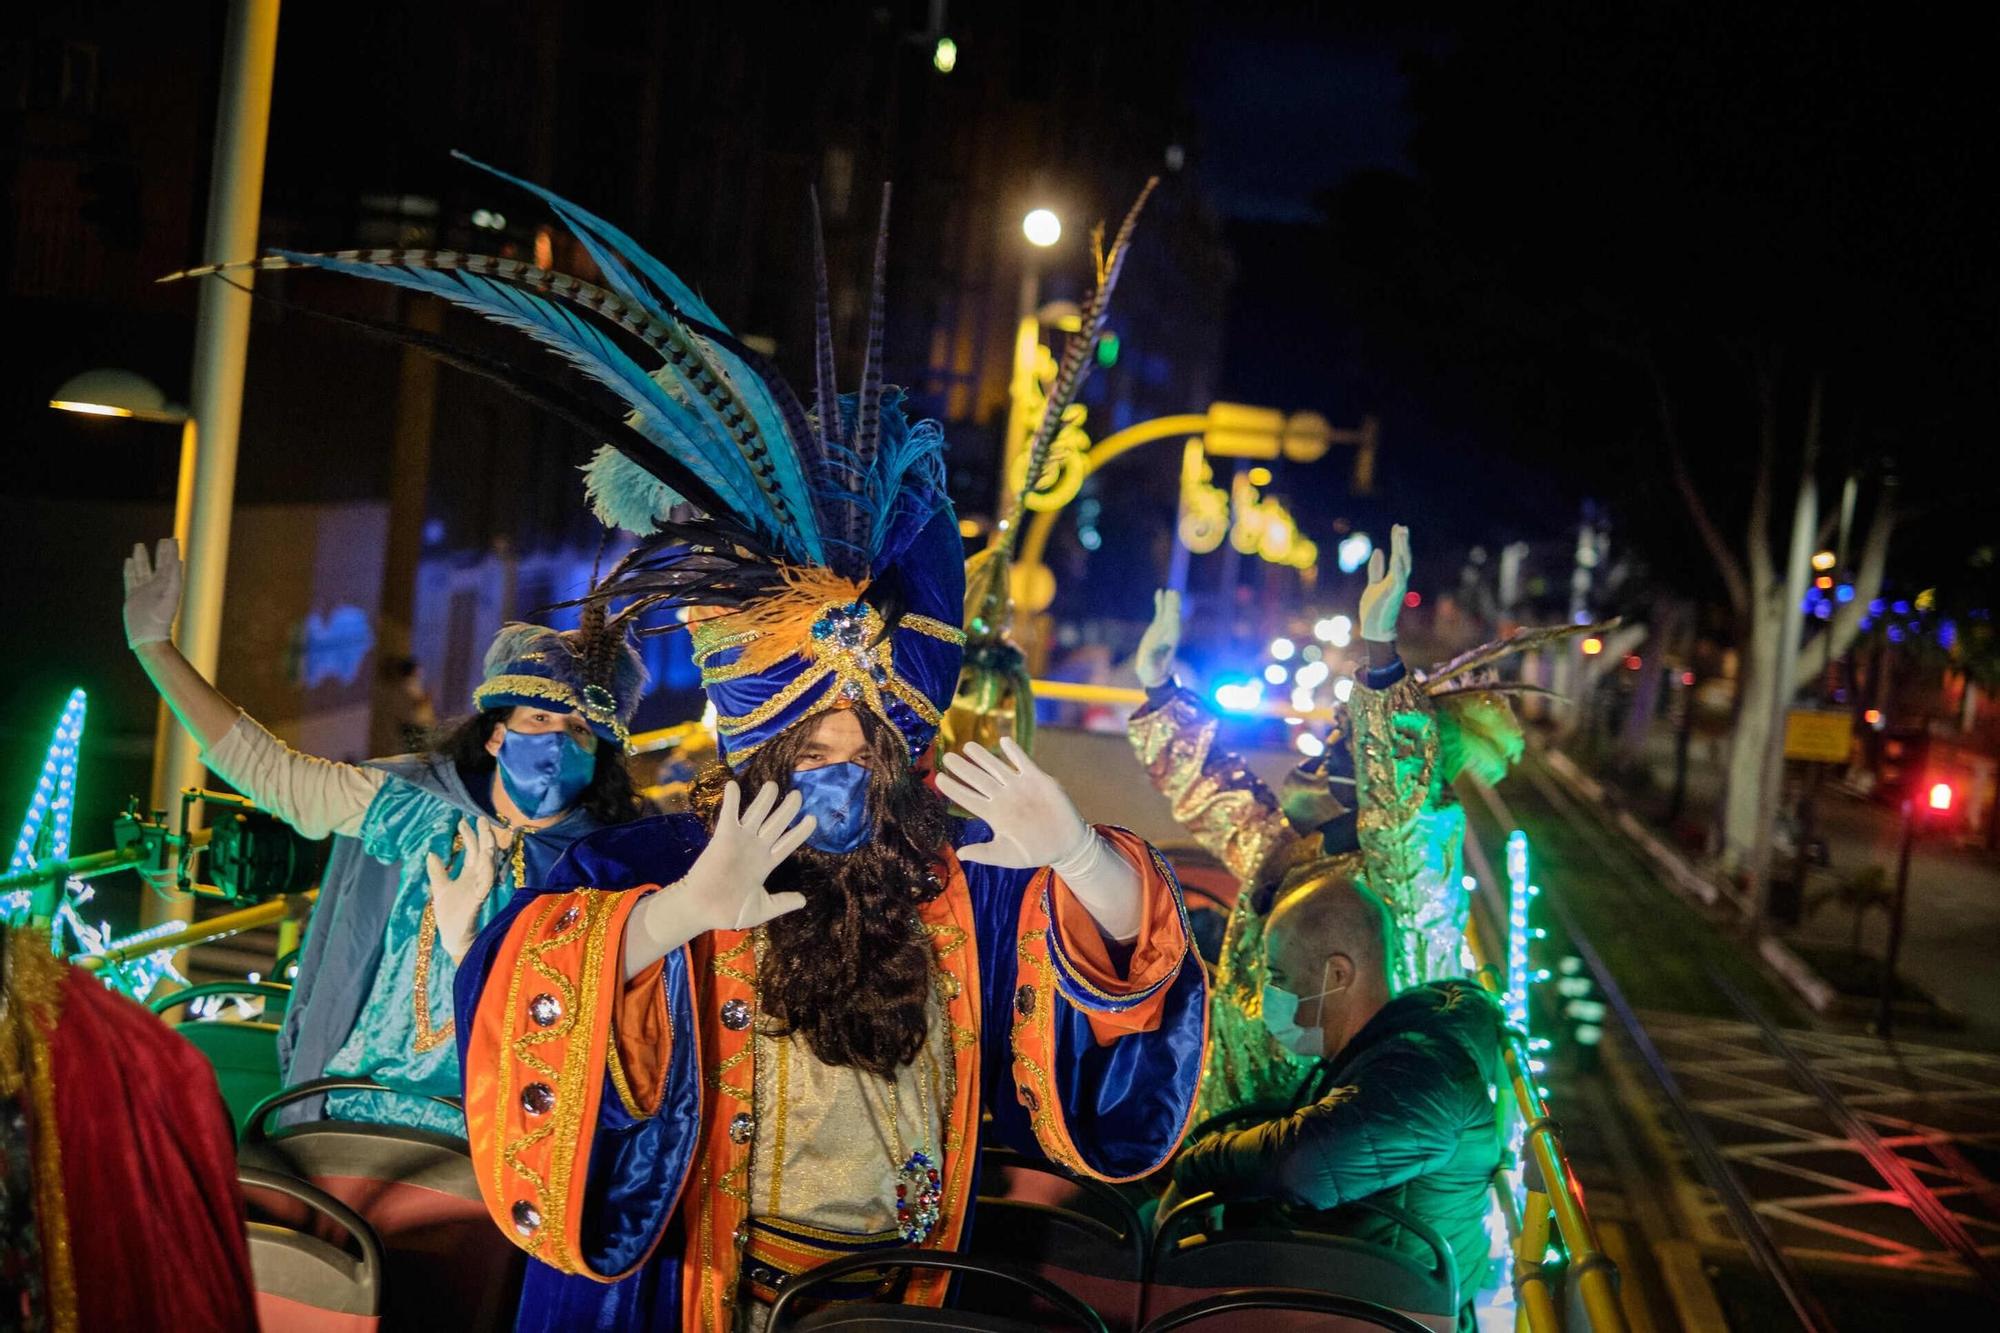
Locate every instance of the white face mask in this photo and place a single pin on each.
(1281, 1020)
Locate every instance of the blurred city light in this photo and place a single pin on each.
(1844, 593)
(1825, 560)
(1873, 717)
(1592, 646)
(1336, 630)
(1343, 687)
(1309, 745)
(1353, 551)
(1413, 599)
(1042, 228)
(1941, 795)
(1282, 649)
(1239, 696)
(1276, 674)
(944, 58)
(1313, 674)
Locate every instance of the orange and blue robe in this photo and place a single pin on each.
(611, 1121)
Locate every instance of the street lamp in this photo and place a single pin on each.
(116, 393)
(1042, 228)
(123, 393)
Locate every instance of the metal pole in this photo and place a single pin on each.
(215, 398)
(1884, 1013)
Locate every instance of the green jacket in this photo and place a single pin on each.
(1405, 1114)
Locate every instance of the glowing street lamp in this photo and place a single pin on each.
(1042, 228)
(944, 56)
(116, 393)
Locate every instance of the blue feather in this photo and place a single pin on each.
(675, 426)
(617, 256)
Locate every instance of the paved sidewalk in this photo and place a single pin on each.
(1951, 940)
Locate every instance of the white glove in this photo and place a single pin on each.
(456, 899)
(724, 888)
(1155, 661)
(1388, 581)
(152, 593)
(1035, 825)
(1033, 822)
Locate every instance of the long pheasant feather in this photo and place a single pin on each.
(868, 411)
(1076, 362)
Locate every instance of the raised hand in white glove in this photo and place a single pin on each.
(1034, 824)
(456, 899)
(1155, 661)
(724, 888)
(152, 593)
(1388, 582)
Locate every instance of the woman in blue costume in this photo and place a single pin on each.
(421, 839)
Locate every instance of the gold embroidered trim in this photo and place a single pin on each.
(426, 1037)
(568, 1083)
(578, 1065)
(30, 1006)
(542, 687)
(1032, 951)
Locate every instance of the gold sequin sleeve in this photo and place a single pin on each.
(1215, 797)
(1410, 826)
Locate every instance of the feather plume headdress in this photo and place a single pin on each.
(814, 553)
(994, 693)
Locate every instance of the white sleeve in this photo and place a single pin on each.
(315, 796)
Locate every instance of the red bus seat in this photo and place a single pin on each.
(306, 1283)
(448, 1265)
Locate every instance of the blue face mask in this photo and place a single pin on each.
(545, 772)
(836, 796)
(1281, 1020)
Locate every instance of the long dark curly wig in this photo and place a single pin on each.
(850, 971)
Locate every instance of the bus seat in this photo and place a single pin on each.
(306, 1283)
(243, 1052)
(449, 1266)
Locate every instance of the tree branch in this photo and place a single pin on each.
(1845, 626)
(1726, 562)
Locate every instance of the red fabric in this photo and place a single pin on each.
(281, 1314)
(149, 1172)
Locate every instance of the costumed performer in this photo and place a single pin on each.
(679, 1096)
(119, 1209)
(1377, 809)
(421, 839)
